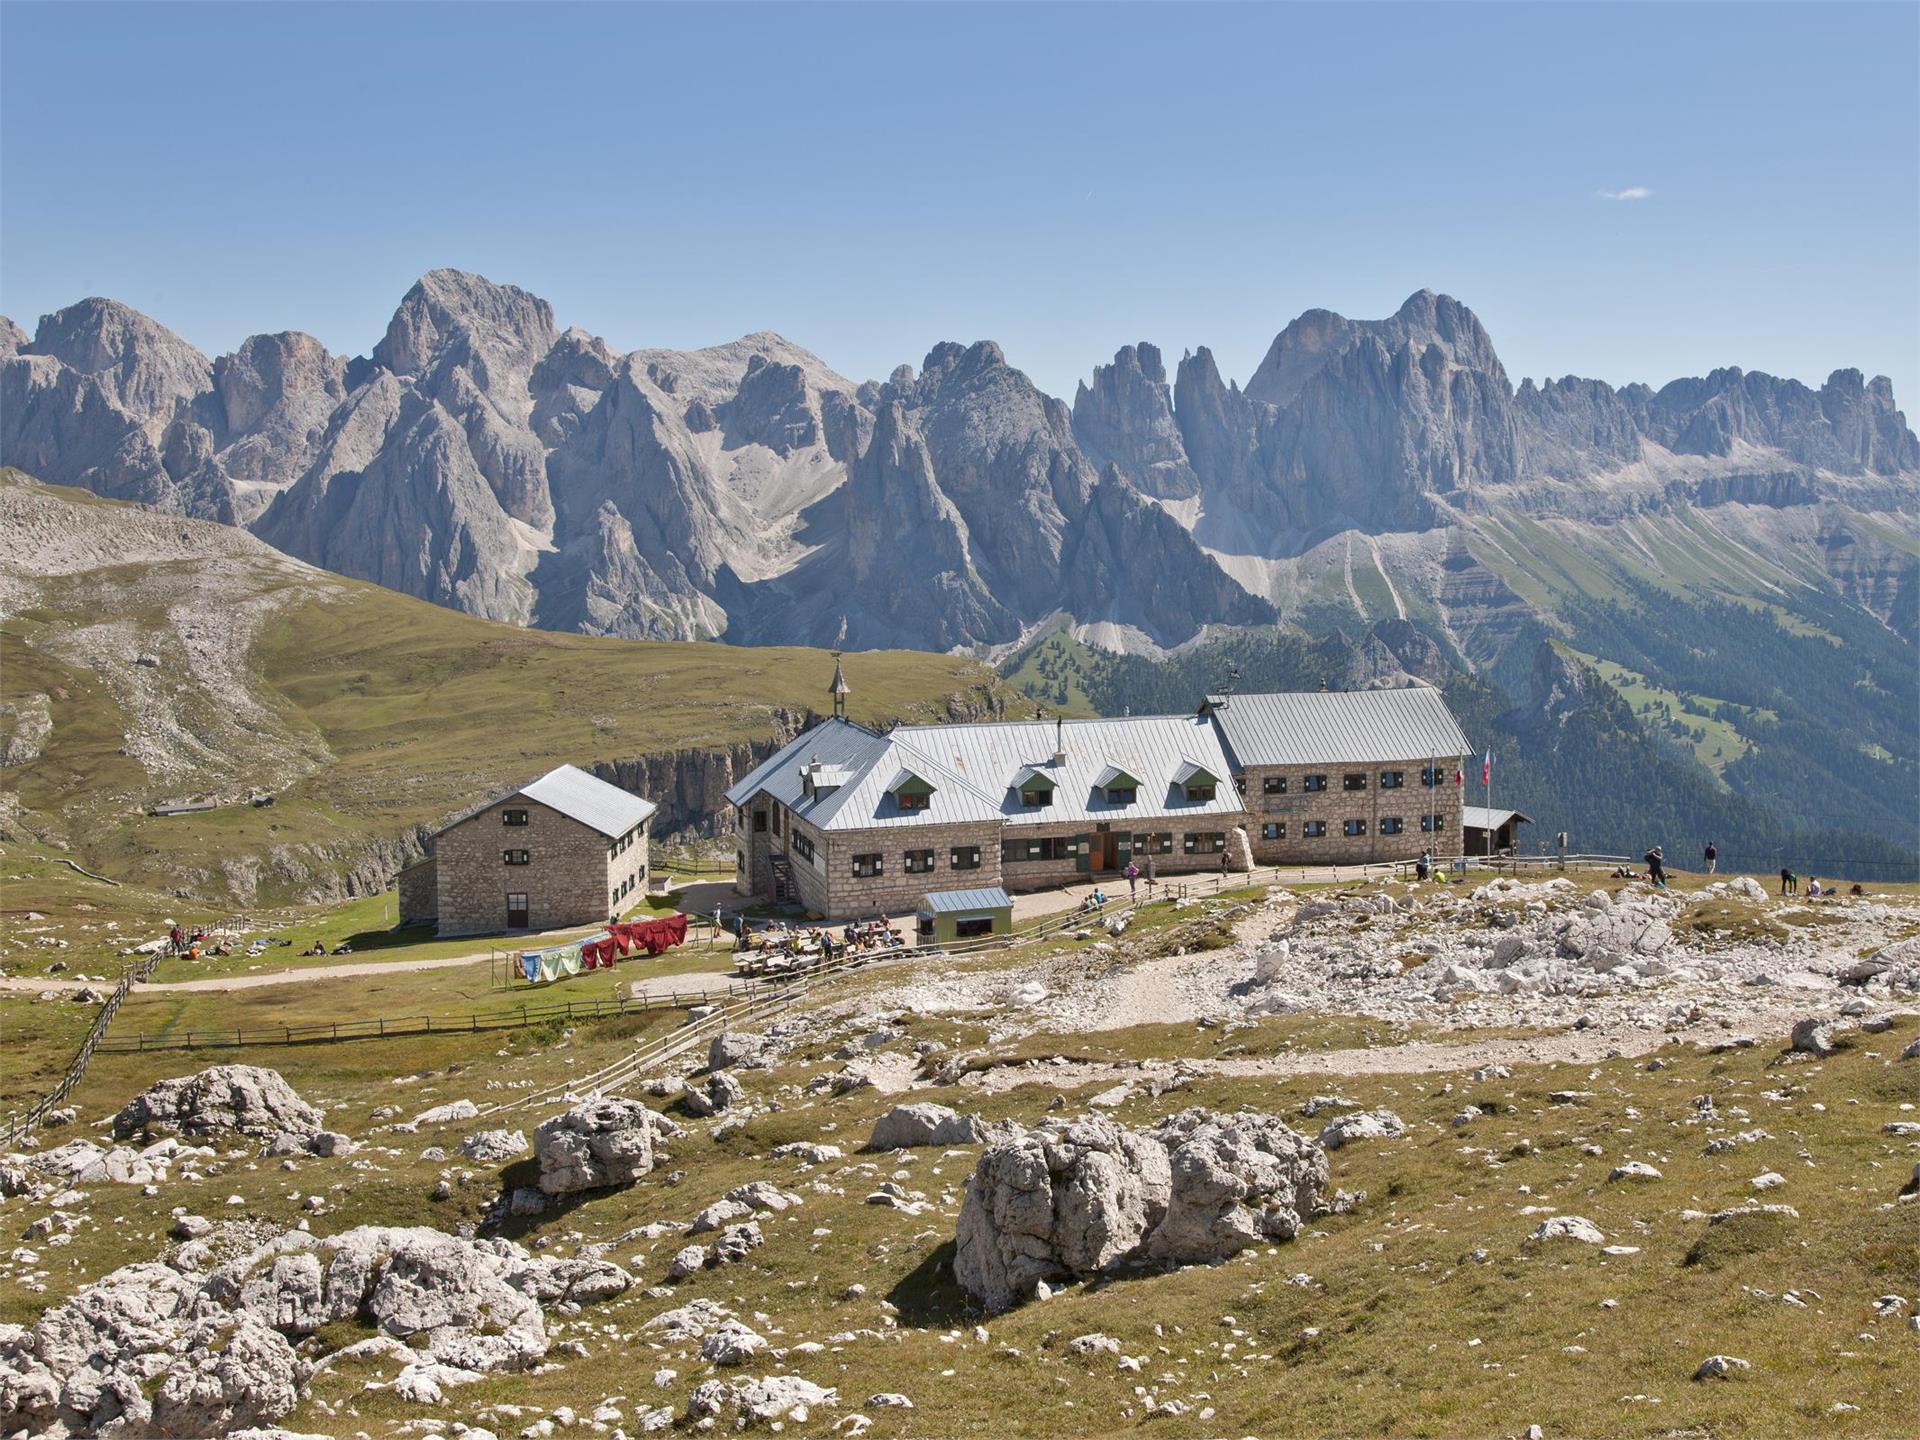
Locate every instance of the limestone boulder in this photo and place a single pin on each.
(599, 1145)
(1362, 1125)
(237, 1099)
(1057, 1204)
(1235, 1181)
(738, 1048)
(909, 1127)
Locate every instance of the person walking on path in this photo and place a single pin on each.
(1133, 880)
(1656, 868)
(1713, 856)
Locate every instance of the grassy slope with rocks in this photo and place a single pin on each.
(175, 658)
(1425, 1312)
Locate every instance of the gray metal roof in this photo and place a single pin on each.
(1332, 727)
(1149, 748)
(946, 902)
(590, 800)
(975, 771)
(577, 795)
(1478, 817)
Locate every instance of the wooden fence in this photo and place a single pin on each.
(19, 1125)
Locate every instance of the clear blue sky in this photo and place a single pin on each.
(870, 180)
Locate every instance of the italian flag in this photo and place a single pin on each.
(1486, 769)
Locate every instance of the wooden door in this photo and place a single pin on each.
(516, 911)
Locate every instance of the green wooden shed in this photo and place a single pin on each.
(964, 914)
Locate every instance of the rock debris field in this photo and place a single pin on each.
(908, 1209)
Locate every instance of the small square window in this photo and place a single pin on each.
(919, 862)
(759, 822)
(1121, 794)
(964, 857)
(514, 817)
(1355, 827)
(1314, 829)
(1274, 830)
(1433, 822)
(1039, 796)
(1314, 784)
(1391, 825)
(517, 857)
(1392, 779)
(1274, 785)
(1200, 792)
(1353, 780)
(866, 866)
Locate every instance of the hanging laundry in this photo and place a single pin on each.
(530, 964)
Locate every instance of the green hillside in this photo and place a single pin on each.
(364, 713)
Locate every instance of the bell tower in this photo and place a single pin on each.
(839, 689)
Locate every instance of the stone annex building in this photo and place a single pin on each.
(566, 849)
(848, 821)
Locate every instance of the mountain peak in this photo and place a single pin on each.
(448, 309)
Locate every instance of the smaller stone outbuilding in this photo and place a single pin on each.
(563, 850)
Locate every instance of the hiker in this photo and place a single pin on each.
(1656, 869)
(176, 940)
(1713, 856)
(1789, 882)
(1133, 880)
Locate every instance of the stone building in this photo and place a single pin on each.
(566, 849)
(1335, 777)
(847, 822)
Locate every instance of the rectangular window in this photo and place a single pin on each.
(759, 822)
(1274, 785)
(971, 926)
(964, 857)
(1121, 794)
(1392, 779)
(1354, 827)
(514, 817)
(1354, 780)
(1157, 843)
(517, 857)
(1433, 822)
(1200, 792)
(1314, 829)
(1211, 842)
(919, 862)
(1274, 830)
(913, 799)
(866, 865)
(1047, 847)
(739, 862)
(613, 900)
(1430, 775)
(802, 845)
(1390, 825)
(1314, 784)
(776, 820)
(1038, 796)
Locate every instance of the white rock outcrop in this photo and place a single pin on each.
(599, 1145)
(1072, 1201)
(909, 1127)
(234, 1099)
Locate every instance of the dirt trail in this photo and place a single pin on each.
(1583, 1047)
(692, 980)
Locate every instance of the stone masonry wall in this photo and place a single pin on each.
(419, 886)
(1335, 805)
(567, 879)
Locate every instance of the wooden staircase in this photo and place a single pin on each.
(782, 878)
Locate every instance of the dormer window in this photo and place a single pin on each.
(1036, 787)
(1196, 781)
(910, 792)
(1120, 787)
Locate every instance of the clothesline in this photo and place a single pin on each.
(599, 952)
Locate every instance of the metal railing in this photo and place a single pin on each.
(20, 1124)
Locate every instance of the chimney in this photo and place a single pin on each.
(1059, 741)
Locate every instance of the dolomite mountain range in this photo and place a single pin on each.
(483, 459)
